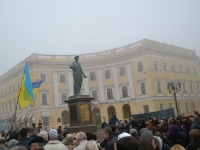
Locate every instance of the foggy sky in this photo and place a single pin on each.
(86, 26)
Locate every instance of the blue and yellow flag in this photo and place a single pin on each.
(36, 86)
(168, 89)
(26, 95)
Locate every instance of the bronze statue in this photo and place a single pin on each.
(78, 75)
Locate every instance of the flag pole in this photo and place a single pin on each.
(27, 117)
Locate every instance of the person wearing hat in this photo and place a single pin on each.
(53, 143)
(37, 143)
(78, 75)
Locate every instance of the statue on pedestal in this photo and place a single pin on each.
(78, 75)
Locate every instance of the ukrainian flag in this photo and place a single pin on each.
(168, 89)
(36, 86)
(26, 95)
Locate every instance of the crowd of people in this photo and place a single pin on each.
(178, 133)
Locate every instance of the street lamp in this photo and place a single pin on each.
(172, 87)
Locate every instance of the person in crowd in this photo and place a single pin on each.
(185, 125)
(177, 147)
(14, 141)
(69, 141)
(141, 123)
(91, 145)
(164, 126)
(134, 133)
(195, 137)
(39, 127)
(22, 125)
(113, 121)
(122, 135)
(195, 123)
(32, 133)
(59, 128)
(81, 141)
(19, 148)
(2, 144)
(175, 136)
(66, 131)
(133, 123)
(127, 143)
(53, 143)
(44, 134)
(60, 137)
(104, 124)
(125, 127)
(24, 140)
(4, 135)
(37, 143)
(146, 145)
(109, 139)
(156, 121)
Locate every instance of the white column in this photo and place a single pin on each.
(101, 86)
(130, 80)
(55, 89)
(116, 85)
(71, 82)
(86, 86)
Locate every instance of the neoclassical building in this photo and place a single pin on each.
(128, 80)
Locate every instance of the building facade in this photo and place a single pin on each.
(128, 80)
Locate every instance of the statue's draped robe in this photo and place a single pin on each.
(78, 78)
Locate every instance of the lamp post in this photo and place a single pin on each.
(174, 88)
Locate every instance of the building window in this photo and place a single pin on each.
(6, 108)
(155, 65)
(92, 76)
(194, 106)
(195, 72)
(158, 86)
(181, 68)
(109, 93)
(45, 121)
(170, 105)
(146, 108)
(62, 78)
(187, 108)
(140, 66)
(122, 71)
(124, 91)
(198, 89)
(188, 69)
(63, 97)
(107, 74)
(184, 87)
(161, 106)
(64, 120)
(95, 94)
(165, 66)
(43, 78)
(44, 99)
(143, 88)
(191, 88)
(173, 68)
(10, 106)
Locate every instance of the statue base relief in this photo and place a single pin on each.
(80, 115)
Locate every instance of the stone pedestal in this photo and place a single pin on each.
(80, 114)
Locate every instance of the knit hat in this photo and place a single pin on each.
(146, 135)
(173, 129)
(53, 134)
(122, 135)
(195, 126)
(158, 141)
(196, 119)
(12, 143)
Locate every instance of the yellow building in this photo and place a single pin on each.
(128, 80)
